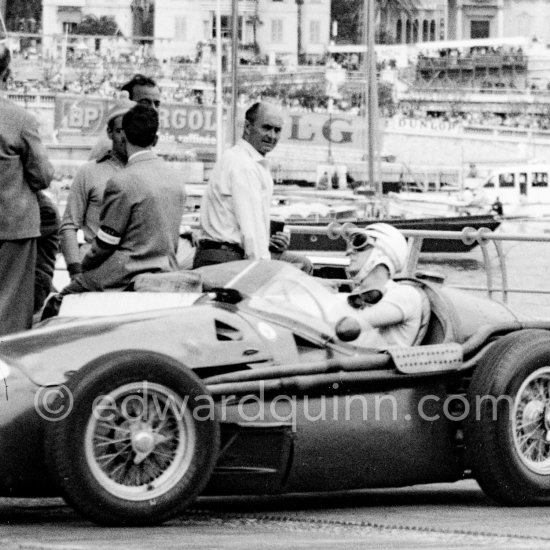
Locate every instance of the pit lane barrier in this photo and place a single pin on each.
(468, 235)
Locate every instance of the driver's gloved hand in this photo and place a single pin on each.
(360, 300)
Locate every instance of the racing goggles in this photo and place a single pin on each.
(360, 241)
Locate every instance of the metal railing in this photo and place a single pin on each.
(483, 237)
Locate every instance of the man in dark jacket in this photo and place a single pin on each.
(24, 170)
(141, 213)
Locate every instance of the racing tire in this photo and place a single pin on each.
(507, 431)
(133, 449)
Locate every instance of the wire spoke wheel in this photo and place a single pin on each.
(140, 440)
(133, 450)
(507, 432)
(531, 421)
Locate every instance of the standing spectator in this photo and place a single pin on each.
(335, 180)
(323, 182)
(25, 170)
(142, 90)
(497, 207)
(141, 213)
(235, 208)
(86, 194)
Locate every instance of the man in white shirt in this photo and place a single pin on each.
(235, 209)
(389, 312)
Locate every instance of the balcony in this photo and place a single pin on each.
(470, 62)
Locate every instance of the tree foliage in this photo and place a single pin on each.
(102, 26)
(349, 15)
(23, 16)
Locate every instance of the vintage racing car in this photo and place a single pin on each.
(253, 390)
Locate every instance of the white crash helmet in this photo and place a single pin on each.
(390, 248)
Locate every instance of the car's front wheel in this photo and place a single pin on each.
(508, 427)
(134, 449)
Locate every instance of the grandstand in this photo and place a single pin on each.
(501, 76)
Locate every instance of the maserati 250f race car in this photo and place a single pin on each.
(251, 390)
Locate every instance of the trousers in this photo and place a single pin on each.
(17, 273)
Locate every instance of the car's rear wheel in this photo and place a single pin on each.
(134, 449)
(508, 427)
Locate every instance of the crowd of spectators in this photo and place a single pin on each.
(505, 52)
(482, 118)
(181, 80)
(189, 81)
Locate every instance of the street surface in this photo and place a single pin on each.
(434, 516)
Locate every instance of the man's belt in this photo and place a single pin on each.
(219, 245)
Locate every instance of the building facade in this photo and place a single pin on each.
(411, 21)
(469, 19)
(286, 29)
(300, 29)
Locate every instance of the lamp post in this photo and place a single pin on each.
(219, 90)
(330, 103)
(234, 61)
(372, 96)
(64, 56)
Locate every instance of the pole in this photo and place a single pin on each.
(219, 84)
(234, 61)
(64, 56)
(3, 31)
(330, 159)
(372, 97)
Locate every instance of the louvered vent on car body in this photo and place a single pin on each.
(225, 332)
(302, 343)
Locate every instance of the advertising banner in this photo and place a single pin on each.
(194, 126)
(341, 130)
(190, 125)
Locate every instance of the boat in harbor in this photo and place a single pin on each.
(459, 202)
(522, 189)
(306, 213)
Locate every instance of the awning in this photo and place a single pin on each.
(69, 14)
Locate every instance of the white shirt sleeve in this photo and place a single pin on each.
(246, 191)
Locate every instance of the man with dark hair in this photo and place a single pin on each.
(141, 127)
(86, 194)
(235, 209)
(141, 213)
(142, 90)
(24, 170)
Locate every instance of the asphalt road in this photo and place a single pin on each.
(435, 516)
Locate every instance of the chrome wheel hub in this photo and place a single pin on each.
(143, 442)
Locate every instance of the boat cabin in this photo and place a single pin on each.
(515, 185)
